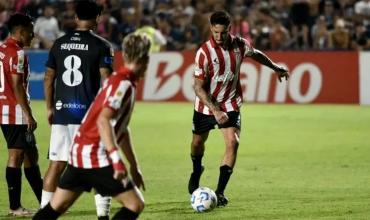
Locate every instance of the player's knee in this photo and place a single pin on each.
(15, 159)
(137, 206)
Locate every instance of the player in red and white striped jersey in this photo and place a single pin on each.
(16, 119)
(219, 96)
(94, 158)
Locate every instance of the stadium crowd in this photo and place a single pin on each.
(183, 24)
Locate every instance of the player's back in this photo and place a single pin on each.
(12, 61)
(76, 58)
(117, 94)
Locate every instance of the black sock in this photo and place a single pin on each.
(14, 181)
(197, 163)
(46, 213)
(125, 214)
(225, 173)
(103, 217)
(33, 176)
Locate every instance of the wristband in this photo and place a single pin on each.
(117, 162)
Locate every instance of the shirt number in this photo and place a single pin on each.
(72, 76)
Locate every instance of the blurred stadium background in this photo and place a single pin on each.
(303, 155)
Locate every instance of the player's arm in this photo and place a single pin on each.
(105, 73)
(220, 116)
(21, 96)
(106, 61)
(49, 92)
(107, 136)
(128, 150)
(262, 58)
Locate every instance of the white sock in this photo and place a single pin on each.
(45, 198)
(102, 204)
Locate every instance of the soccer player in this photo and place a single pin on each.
(76, 66)
(95, 161)
(16, 118)
(219, 96)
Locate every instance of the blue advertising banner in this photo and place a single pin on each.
(37, 67)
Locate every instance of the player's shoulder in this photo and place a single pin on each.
(100, 41)
(240, 41)
(203, 47)
(11, 50)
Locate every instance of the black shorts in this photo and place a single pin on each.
(101, 179)
(17, 137)
(203, 123)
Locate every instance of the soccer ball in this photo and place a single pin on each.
(203, 199)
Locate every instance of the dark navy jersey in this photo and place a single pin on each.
(76, 58)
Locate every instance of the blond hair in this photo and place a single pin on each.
(135, 47)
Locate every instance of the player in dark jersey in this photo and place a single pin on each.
(95, 161)
(76, 66)
(16, 118)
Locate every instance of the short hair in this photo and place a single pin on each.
(87, 10)
(135, 46)
(220, 17)
(18, 20)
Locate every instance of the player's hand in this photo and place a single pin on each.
(31, 123)
(119, 167)
(119, 174)
(221, 117)
(50, 114)
(282, 72)
(137, 177)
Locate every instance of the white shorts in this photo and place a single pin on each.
(61, 140)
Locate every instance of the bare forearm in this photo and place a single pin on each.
(49, 87)
(262, 58)
(21, 96)
(106, 133)
(205, 98)
(128, 150)
(49, 91)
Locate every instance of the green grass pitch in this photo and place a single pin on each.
(294, 162)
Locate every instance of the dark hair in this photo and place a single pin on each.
(87, 9)
(18, 20)
(135, 46)
(220, 17)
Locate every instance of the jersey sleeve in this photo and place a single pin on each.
(18, 63)
(106, 57)
(51, 62)
(247, 47)
(201, 65)
(116, 94)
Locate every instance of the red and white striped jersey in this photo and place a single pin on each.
(220, 68)
(12, 61)
(118, 93)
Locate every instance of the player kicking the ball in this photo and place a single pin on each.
(94, 160)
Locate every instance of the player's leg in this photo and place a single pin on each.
(123, 191)
(32, 170)
(51, 178)
(132, 204)
(202, 124)
(61, 201)
(231, 134)
(73, 182)
(103, 204)
(60, 142)
(197, 152)
(15, 143)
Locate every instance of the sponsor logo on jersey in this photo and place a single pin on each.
(75, 39)
(71, 105)
(74, 46)
(108, 60)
